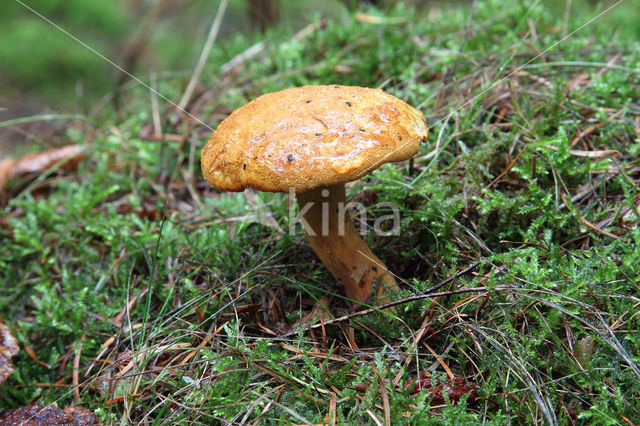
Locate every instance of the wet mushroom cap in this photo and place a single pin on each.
(311, 136)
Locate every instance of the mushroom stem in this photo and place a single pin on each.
(335, 240)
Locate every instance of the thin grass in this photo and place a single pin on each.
(523, 206)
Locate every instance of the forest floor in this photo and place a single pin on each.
(141, 293)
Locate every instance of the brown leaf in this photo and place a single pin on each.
(33, 356)
(5, 171)
(8, 348)
(36, 415)
(455, 388)
(40, 161)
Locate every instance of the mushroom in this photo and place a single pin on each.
(312, 140)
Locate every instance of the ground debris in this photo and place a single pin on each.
(455, 388)
(38, 162)
(8, 348)
(36, 415)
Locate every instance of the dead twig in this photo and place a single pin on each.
(211, 38)
(424, 295)
(76, 370)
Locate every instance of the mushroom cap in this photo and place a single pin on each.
(311, 136)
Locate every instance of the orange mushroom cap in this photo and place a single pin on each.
(311, 136)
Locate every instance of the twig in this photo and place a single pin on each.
(440, 361)
(424, 295)
(76, 370)
(211, 38)
(567, 11)
(586, 222)
(259, 47)
(373, 417)
(242, 57)
(586, 132)
(384, 395)
(508, 168)
(157, 127)
(136, 44)
(375, 334)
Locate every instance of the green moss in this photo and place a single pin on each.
(198, 292)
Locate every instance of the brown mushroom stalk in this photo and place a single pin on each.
(339, 246)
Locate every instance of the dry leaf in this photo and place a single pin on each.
(38, 162)
(5, 170)
(36, 415)
(455, 388)
(8, 348)
(584, 351)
